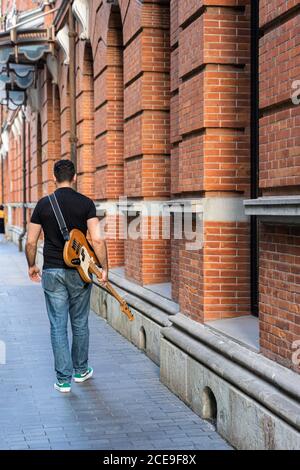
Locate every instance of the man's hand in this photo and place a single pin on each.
(104, 279)
(34, 274)
(100, 248)
(34, 231)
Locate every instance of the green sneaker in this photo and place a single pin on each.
(63, 387)
(79, 378)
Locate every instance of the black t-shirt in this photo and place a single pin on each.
(76, 209)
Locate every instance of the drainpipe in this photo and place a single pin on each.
(254, 226)
(72, 82)
(21, 238)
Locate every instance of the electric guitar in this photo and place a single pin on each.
(79, 254)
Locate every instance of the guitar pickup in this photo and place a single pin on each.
(76, 262)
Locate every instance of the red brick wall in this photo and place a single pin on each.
(270, 11)
(85, 120)
(52, 126)
(226, 276)
(109, 103)
(109, 115)
(147, 125)
(140, 76)
(279, 175)
(190, 286)
(36, 158)
(210, 91)
(279, 292)
(279, 126)
(63, 83)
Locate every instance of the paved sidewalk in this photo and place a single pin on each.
(123, 407)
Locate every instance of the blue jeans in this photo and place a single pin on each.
(66, 294)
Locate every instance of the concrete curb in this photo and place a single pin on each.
(283, 406)
(162, 303)
(156, 314)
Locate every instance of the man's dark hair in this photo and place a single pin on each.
(1, 208)
(64, 170)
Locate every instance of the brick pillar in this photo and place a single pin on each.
(85, 120)
(36, 157)
(210, 154)
(52, 145)
(109, 121)
(147, 128)
(64, 109)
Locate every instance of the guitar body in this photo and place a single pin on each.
(78, 254)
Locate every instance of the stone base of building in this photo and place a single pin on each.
(254, 402)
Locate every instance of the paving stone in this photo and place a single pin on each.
(18, 448)
(40, 448)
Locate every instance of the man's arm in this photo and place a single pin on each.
(99, 245)
(33, 235)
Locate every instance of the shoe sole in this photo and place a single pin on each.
(62, 390)
(87, 377)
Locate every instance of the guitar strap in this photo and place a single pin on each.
(59, 217)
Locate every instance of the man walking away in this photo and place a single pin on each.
(66, 293)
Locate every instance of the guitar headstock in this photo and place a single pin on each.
(126, 310)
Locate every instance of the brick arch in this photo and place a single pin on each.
(109, 124)
(146, 85)
(100, 16)
(109, 112)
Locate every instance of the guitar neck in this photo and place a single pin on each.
(124, 307)
(95, 270)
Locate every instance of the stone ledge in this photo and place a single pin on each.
(271, 385)
(155, 314)
(152, 298)
(282, 209)
(276, 374)
(239, 418)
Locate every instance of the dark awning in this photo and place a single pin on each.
(22, 51)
